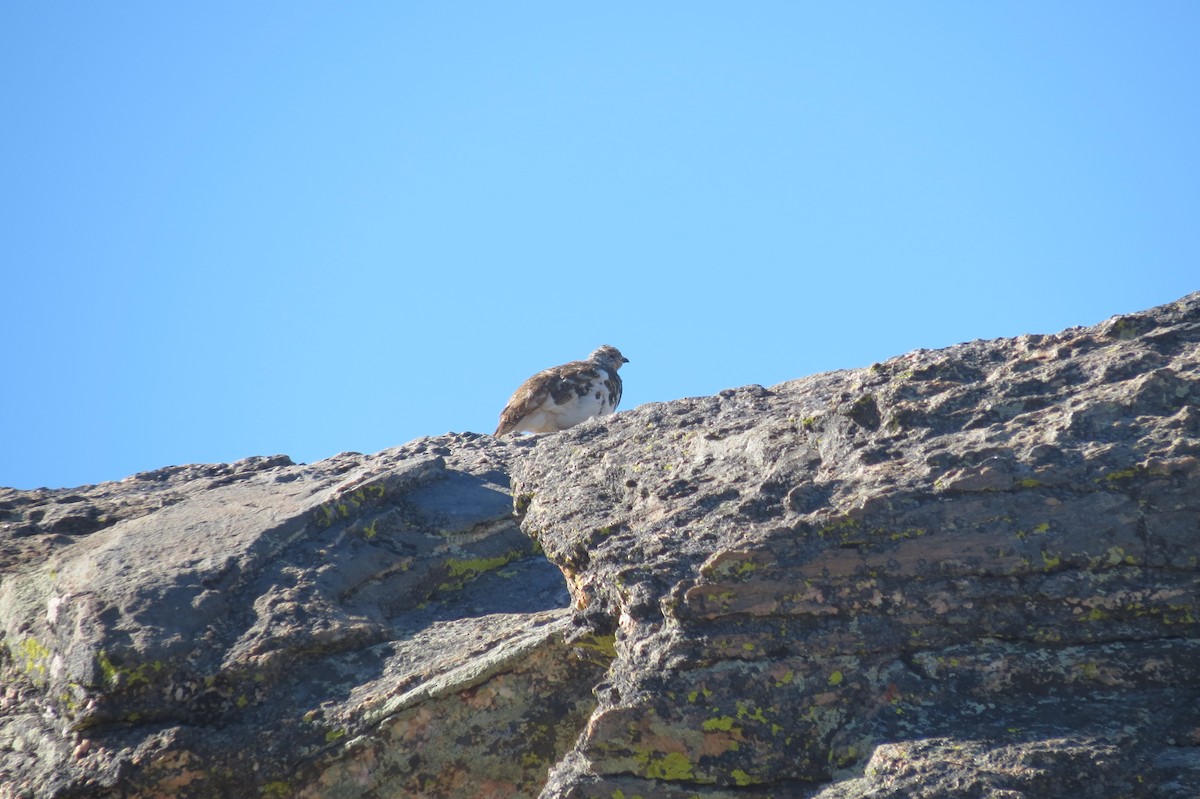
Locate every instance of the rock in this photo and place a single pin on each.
(969, 572)
(368, 623)
(963, 572)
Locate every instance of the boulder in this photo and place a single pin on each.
(963, 572)
(367, 625)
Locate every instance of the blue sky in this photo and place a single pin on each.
(234, 229)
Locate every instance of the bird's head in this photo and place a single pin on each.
(608, 356)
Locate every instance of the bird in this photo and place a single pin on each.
(563, 396)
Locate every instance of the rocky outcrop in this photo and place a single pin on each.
(364, 626)
(963, 572)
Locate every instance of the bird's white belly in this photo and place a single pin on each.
(559, 417)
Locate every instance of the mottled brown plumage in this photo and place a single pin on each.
(563, 396)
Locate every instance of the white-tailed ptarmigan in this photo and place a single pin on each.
(563, 396)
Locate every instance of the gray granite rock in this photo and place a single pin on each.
(266, 629)
(963, 572)
(967, 572)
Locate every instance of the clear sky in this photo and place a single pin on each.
(235, 229)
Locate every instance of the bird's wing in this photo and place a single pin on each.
(531, 396)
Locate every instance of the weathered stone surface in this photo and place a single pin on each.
(964, 572)
(969, 572)
(363, 626)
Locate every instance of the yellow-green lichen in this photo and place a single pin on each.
(724, 723)
(741, 778)
(725, 598)
(843, 758)
(843, 527)
(605, 645)
(334, 735)
(116, 676)
(276, 790)
(465, 569)
(1115, 556)
(325, 514)
(671, 766)
(1183, 615)
(476, 566)
(835, 678)
(68, 700)
(751, 712)
(36, 657)
(1047, 635)
(911, 532)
